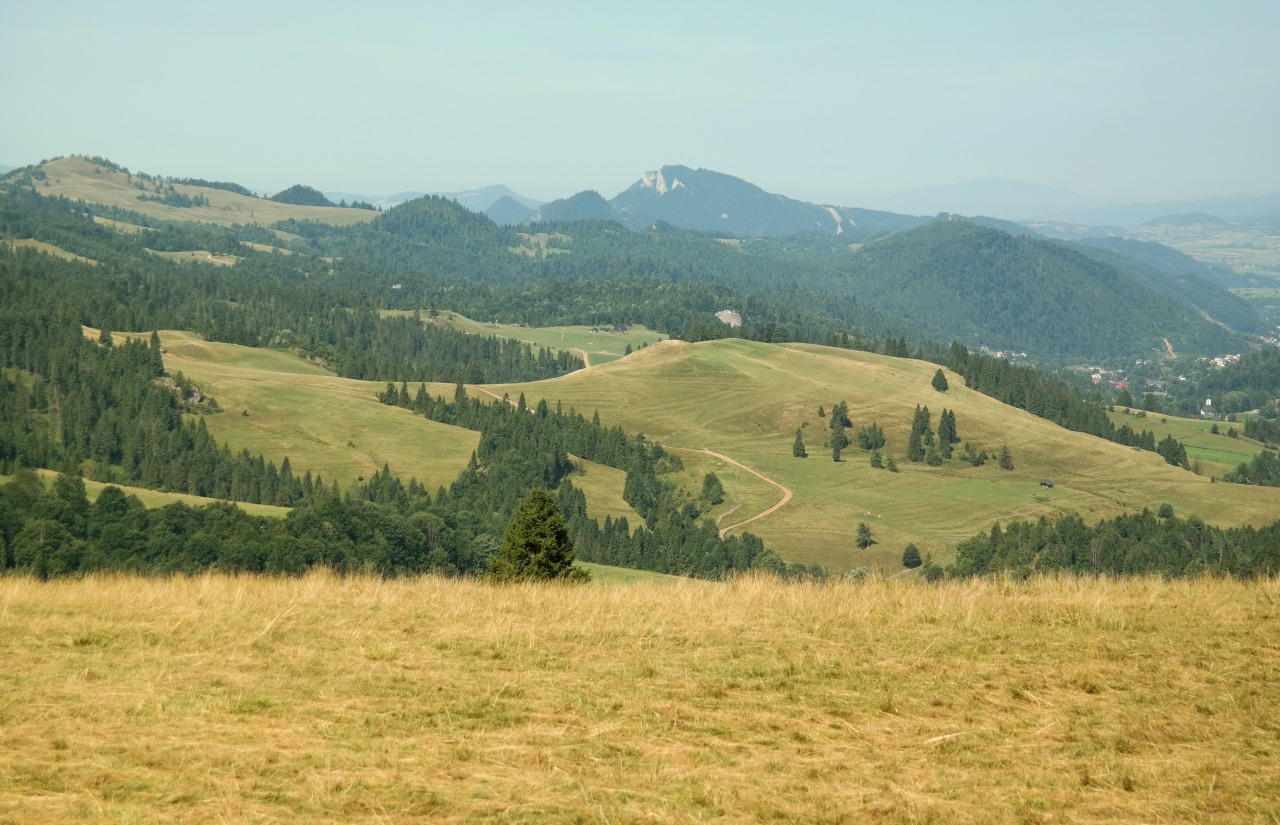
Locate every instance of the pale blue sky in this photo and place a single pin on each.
(838, 102)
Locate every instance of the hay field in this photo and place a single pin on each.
(216, 699)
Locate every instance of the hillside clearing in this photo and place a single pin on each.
(360, 700)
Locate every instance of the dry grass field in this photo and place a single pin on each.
(216, 699)
(79, 178)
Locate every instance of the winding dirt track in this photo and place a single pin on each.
(786, 492)
(724, 531)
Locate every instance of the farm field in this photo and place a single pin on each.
(1217, 454)
(215, 699)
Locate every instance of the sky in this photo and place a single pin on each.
(833, 102)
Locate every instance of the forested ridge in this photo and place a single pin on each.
(106, 409)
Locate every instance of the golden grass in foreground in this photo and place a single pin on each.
(340, 700)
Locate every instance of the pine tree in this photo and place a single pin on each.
(797, 448)
(911, 557)
(864, 539)
(877, 460)
(940, 381)
(536, 545)
(1006, 459)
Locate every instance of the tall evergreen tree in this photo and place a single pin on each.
(797, 447)
(536, 545)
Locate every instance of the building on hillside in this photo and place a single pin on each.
(1208, 411)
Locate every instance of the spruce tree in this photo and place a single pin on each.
(940, 381)
(1006, 459)
(536, 546)
(911, 557)
(797, 447)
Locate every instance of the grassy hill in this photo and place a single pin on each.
(82, 179)
(279, 405)
(724, 401)
(600, 345)
(324, 699)
(745, 400)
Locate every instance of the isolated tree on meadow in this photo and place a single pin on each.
(1006, 458)
(940, 381)
(911, 557)
(864, 539)
(536, 546)
(797, 447)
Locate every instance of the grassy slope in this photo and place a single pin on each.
(75, 178)
(602, 347)
(1217, 453)
(154, 499)
(335, 426)
(221, 699)
(746, 400)
(50, 249)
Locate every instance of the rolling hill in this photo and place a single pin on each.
(735, 401)
(81, 178)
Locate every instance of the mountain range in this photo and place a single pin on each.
(477, 200)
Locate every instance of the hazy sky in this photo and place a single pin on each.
(837, 102)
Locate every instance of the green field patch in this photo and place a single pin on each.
(600, 344)
(278, 405)
(262, 247)
(1217, 453)
(201, 256)
(606, 574)
(541, 244)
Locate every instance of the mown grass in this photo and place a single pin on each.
(1217, 454)
(76, 178)
(601, 347)
(201, 256)
(358, 700)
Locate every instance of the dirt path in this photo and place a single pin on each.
(586, 359)
(1169, 347)
(786, 492)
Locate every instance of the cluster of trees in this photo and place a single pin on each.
(1136, 544)
(1263, 469)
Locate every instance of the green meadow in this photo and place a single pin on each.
(732, 407)
(1217, 453)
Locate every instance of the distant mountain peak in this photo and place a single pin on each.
(658, 180)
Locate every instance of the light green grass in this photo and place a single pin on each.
(1217, 454)
(76, 179)
(601, 347)
(202, 256)
(326, 424)
(605, 574)
(746, 400)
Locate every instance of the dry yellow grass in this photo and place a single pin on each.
(359, 700)
(79, 178)
(50, 249)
